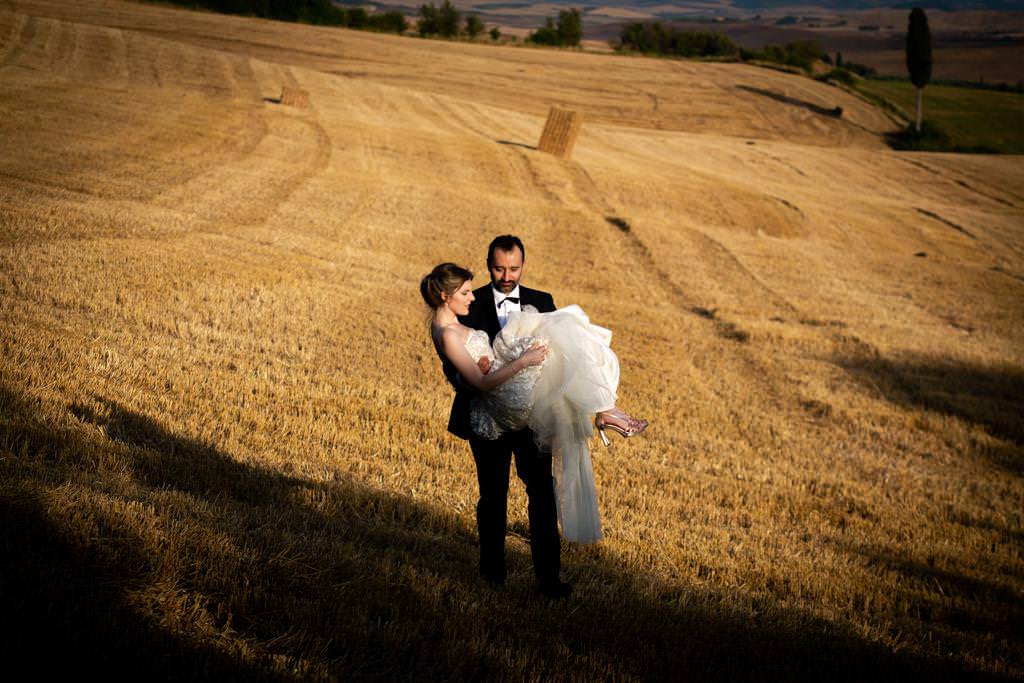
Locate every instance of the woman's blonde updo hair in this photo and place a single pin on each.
(445, 278)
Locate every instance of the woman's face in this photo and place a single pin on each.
(459, 301)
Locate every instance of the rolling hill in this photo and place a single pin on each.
(222, 425)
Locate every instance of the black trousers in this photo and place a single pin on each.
(493, 461)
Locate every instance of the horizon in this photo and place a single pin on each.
(741, 7)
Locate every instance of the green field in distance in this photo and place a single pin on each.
(974, 118)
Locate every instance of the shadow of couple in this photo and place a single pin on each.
(281, 577)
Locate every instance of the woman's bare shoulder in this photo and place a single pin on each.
(456, 333)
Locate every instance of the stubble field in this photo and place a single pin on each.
(222, 426)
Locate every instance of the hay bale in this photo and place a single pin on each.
(294, 97)
(560, 132)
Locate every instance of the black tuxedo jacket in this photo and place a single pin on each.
(483, 316)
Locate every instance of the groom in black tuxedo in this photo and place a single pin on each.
(488, 312)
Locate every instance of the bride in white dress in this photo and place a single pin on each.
(552, 372)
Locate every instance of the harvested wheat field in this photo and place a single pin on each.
(222, 425)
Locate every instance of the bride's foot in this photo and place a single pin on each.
(620, 422)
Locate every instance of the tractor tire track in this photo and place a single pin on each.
(248, 190)
(13, 24)
(960, 182)
(25, 31)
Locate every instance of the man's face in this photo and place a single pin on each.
(506, 269)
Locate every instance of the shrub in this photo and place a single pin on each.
(442, 21)
(838, 76)
(428, 23)
(801, 54)
(567, 32)
(388, 22)
(929, 138)
(449, 19)
(546, 34)
(861, 69)
(356, 17)
(474, 26)
(570, 27)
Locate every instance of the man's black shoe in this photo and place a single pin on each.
(556, 590)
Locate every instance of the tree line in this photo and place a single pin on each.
(443, 21)
(319, 12)
(446, 22)
(656, 38)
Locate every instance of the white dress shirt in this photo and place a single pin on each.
(508, 306)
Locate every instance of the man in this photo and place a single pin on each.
(489, 312)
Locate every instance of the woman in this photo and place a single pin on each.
(551, 372)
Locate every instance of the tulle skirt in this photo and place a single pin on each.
(579, 378)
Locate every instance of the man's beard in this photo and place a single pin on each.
(505, 288)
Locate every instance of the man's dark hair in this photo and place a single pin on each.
(505, 243)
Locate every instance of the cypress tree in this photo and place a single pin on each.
(919, 56)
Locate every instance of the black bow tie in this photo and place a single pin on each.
(513, 299)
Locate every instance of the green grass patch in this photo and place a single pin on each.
(972, 119)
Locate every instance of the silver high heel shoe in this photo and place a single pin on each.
(633, 427)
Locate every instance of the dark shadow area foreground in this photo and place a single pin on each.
(383, 587)
(67, 618)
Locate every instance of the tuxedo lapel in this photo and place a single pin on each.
(536, 298)
(490, 314)
(527, 297)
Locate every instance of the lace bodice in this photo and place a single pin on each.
(506, 407)
(478, 345)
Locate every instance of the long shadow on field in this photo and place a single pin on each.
(963, 603)
(835, 112)
(66, 615)
(516, 144)
(990, 397)
(339, 580)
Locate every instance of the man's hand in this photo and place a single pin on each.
(484, 364)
